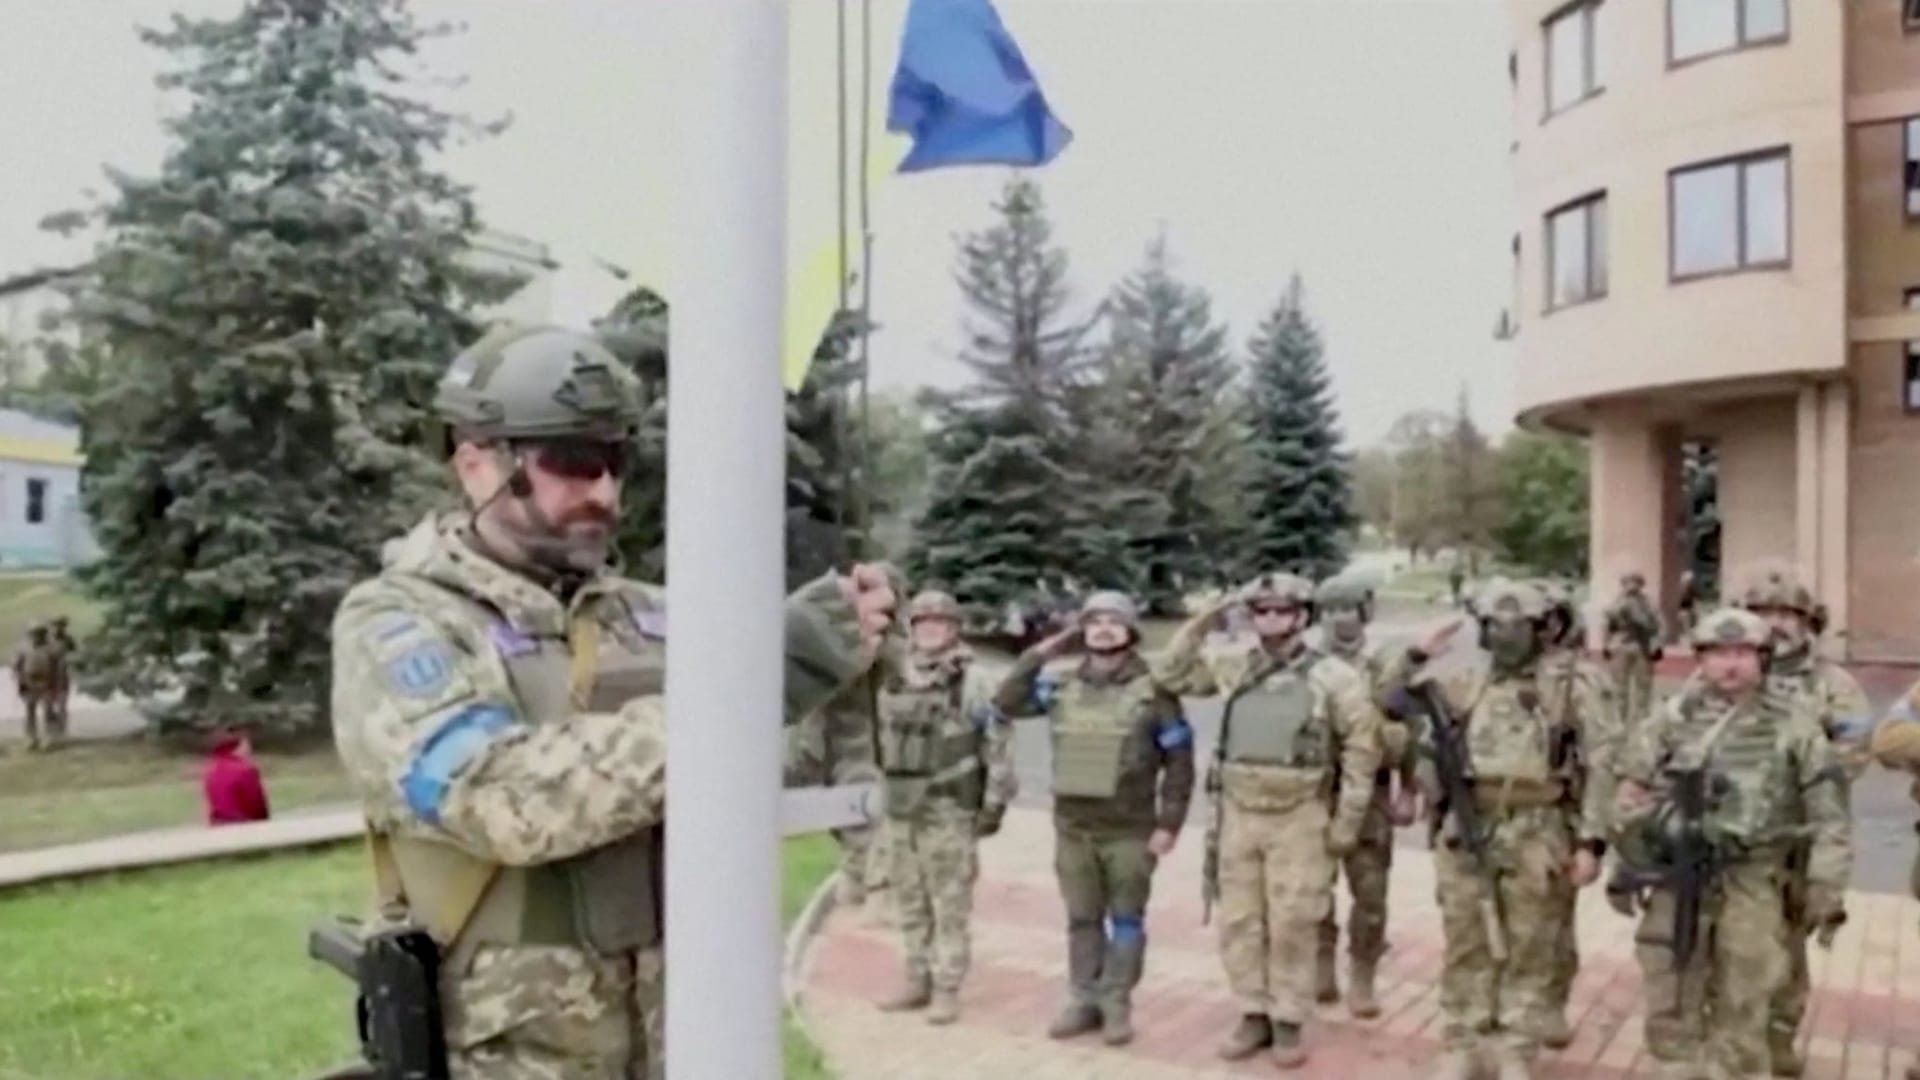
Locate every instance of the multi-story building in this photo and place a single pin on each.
(1718, 242)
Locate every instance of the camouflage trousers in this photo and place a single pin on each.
(1105, 880)
(1481, 998)
(558, 1013)
(1276, 885)
(1714, 1014)
(43, 714)
(1632, 672)
(1368, 869)
(935, 861)
(1789, 1001)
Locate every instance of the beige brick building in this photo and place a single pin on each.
(1718, 240)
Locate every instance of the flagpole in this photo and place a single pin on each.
(866, 274)
(725, 542)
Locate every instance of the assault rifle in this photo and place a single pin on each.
(1455, 769)
(1686, 857)
(1210, 862)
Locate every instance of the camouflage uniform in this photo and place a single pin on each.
(1841, 708)
(1565, 666)
(1634, 635)
(1774, 782)
(63, 644)
(834, 745)
(1896, 745)
(1370, 865)
(947, 756)
(36, 673)
(1297, 726)
(1122, 769)
(504, 730)
(1530, 749)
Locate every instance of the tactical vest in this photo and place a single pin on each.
(1510, 733)
(609, 900)
(1097, 734)
(1280, 720)
(929, 748)
(1753, 774)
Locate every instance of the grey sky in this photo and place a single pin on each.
(1362, 142)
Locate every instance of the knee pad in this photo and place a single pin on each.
(1127, 928)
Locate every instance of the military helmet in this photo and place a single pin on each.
(1287, 590)
(933, 604)
(1504, 596)
(1342, 590)
(1774, 585)
(538, 382)
(1111, 602)
(1730, 626)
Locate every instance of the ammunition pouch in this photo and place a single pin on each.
(1273, 789)
(1500, 797)
(1087, 764)
(397, 1010)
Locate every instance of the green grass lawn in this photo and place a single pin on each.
(200, 972)
(26, 599)
(92, 789)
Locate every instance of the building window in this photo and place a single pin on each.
(1910, 386)
(1912, 183)
(1697, 28)
(1728, 215)
(36, 500)
(1573, 61)
(1577, 252)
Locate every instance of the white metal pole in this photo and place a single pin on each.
(725, 545)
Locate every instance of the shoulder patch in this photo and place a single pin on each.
(510, 640)
(651, 623)
(421, 672)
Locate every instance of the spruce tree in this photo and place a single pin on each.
(1170, 449)
(636, 332)
(1301, 495)
(275, 305)
(1011, 509)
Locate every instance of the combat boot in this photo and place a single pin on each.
(1509, 1064)
(1289, 1050)
(945, 1008)
(1913, 1071)
(1253, 1034)
(1455, 1065)
(1782, 1058)
(1076, 1019)
(1326, 984)
(914, 993)
(1555, 1032)
(1360, 999)
(1116, 1022)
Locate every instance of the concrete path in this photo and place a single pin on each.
(297, 828)
(1857, 1030)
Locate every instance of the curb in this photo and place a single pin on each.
(826, 897)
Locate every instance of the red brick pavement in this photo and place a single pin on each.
(1857, 1028)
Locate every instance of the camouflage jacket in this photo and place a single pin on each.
(1633, 625)
(1382, 667)
(1342, 701)
(1780, 782)
(973, 739)
(1155, 787)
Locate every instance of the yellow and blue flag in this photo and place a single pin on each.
(963, 91)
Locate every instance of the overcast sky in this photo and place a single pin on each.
(1360, 142)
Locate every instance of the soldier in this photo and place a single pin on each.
(1117, 737)
(1633, 646)
(1501, 892)
(1564, 667)
(63, 643)
(1896, 745)
(1767, 778)
(1774, 592)
(497, 704)
(1343, 607)
(36, 674)
(1297, 725)
(947, 755)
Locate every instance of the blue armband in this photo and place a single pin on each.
(1173, 734)
(457, 742)
(1045, 689)
(984, 717)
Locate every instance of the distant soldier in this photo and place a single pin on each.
(1297, 725)
(1122, 779)
(1774, 592)
(1513, 749)
(1718, 783)
(947, 757)
(1633, 645)
(1896, 745)
(1343, 606)
(36, 672)
(62, 642)
(1566, 670)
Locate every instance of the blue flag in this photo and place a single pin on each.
(965, 94)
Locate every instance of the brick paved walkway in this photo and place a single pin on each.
(1856, 1032)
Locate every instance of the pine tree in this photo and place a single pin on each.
(1470, 485)
(1170, 449)
(276, 304)
(636, 331)
(1301, 496)
(1010, 508)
